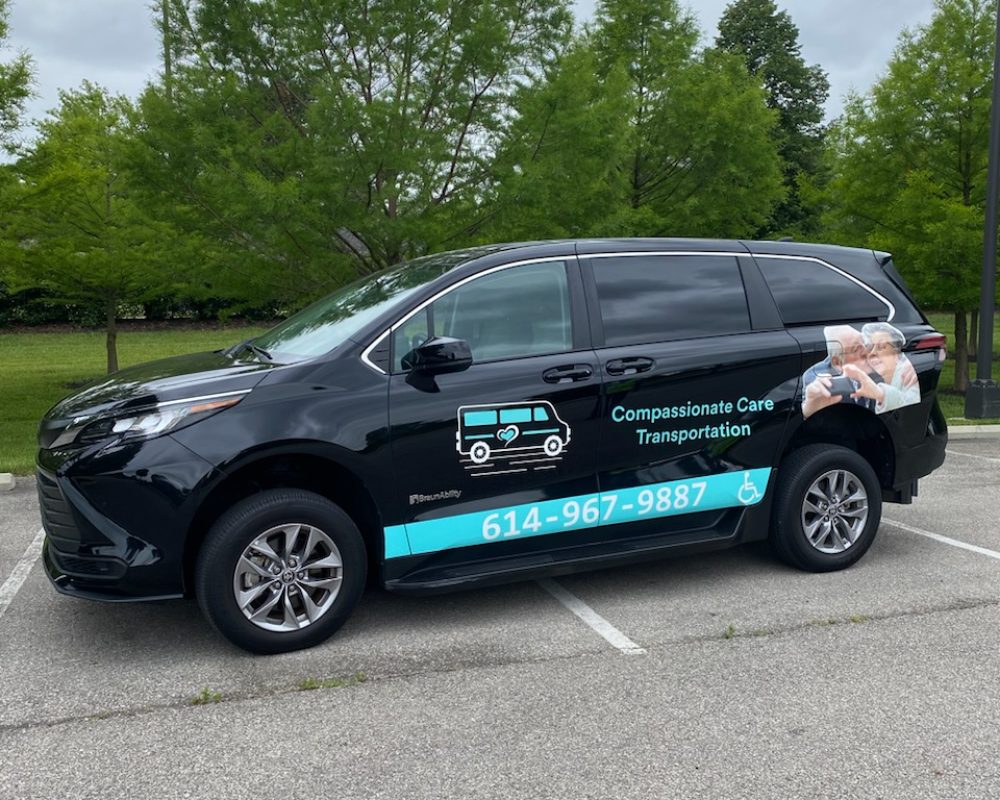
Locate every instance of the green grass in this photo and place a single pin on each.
(206, 697)
(37, 369)
(952, 403)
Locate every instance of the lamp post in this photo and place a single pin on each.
(982, 399)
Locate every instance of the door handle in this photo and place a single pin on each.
(629, 366)
(568, 373)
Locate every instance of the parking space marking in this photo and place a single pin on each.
(937, 537)
(12, 585)
(970, 455)
(595, 621)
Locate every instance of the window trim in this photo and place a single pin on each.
(581, 258)
(366, 353)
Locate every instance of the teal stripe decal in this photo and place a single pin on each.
(396, 543)
(653, 501)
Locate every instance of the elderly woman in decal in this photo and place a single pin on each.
(885, 345)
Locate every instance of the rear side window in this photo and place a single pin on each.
(807, 292)
(659, 298)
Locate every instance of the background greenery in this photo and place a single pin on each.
(289, 146)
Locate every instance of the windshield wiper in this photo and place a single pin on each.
(248, 344)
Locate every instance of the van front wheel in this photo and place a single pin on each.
(280, 571)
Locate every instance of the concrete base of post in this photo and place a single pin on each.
(982, 400)
(6, 482)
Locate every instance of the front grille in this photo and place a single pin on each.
(57, 516)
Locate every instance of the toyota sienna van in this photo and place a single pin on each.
(498, 414)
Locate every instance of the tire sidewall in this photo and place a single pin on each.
(239, 526)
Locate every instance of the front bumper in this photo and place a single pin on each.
(117, 521)
(90, 587)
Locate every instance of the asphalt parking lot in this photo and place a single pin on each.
(722, 676)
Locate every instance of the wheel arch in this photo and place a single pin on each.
(855, 428)
(291, 465)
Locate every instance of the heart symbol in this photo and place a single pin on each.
(508, 434)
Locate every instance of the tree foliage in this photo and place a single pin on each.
(634, 132)
(911, 160)
(321, 138)
(74, 229)
(768, 42)
(15, 83)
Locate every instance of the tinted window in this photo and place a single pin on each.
(515, 312)
(657, 298)
(807, 292)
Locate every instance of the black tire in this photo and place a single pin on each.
(241, 525)
(797, 473)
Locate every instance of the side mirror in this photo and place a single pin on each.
(439, 355)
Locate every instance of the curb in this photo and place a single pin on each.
(969, 431)
(6, 482)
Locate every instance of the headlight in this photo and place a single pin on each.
(148, 422)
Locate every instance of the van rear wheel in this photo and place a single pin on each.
(280, 571)
(827, 509)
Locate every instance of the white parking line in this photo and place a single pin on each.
(937, 537)
(13, 583)
(970, 455)
(601, 626)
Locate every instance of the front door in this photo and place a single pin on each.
(486, 459)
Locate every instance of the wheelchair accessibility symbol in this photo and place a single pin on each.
(748, 492)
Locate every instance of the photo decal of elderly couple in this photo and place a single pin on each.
(866, 368)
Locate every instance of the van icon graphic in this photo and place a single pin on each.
(485, 431)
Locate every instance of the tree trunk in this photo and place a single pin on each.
(168, 70)
(974, 335)
(961, 352)
(111, 326)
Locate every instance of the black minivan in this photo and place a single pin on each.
(496, 414)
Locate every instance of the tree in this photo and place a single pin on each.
(558, 171)
(700, 160)
(15, 84)
(910, 161)
(313, 140)
(74, 229)
(768, 42)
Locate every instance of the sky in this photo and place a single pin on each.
(114, 43)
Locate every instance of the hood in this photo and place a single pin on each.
(175, 378)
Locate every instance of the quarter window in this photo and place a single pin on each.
(807, 293)
(657, 298)
(516, 312)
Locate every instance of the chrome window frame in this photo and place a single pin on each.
(366, 353)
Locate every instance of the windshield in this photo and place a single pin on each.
(318, 328)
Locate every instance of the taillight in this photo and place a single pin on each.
(932, 341)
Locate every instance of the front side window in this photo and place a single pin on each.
(658, 298)
(512, 313)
